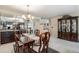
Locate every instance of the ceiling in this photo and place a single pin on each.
(38, 10)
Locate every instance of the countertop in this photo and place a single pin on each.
(7, 30)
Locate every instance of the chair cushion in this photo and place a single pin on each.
(36, 48)
(37, 42)
(20, 43)
(22, 38)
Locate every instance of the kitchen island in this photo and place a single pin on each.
(7, 36)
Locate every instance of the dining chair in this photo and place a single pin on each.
(37, 32)
(44, 42)
(18, 46)
(28, 44)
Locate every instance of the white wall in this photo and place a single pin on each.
(54, 26)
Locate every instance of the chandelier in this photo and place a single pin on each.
(28, 16)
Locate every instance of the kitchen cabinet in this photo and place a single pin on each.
(6, 36)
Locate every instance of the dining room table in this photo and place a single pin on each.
(29, 40)
(32, 37)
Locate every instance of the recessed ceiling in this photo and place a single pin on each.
(40, 10)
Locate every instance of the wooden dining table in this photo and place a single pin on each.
(32, 39)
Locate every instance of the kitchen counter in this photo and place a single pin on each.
(7, 36)
(7, 30)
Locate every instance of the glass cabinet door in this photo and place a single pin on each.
(73, 26)
(68, 26)
(63, 25)
(59, 26)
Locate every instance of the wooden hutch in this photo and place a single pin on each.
(68, 28)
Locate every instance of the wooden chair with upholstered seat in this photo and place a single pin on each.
(18, 46)
(37, 32)
(44, 41)
(23, 44)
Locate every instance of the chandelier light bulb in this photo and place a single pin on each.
(32, 17)
(29, 16)
(23, 16)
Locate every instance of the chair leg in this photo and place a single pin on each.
(46, 50)
(15, 49)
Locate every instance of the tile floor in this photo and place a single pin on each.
(64, 46)
(59, 45)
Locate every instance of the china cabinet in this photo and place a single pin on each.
(68, 28)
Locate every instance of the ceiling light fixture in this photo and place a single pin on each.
(29, 16)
